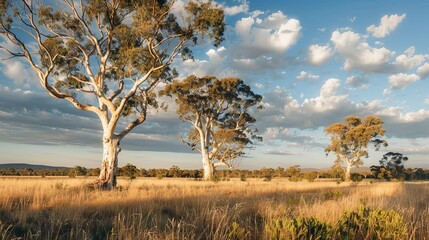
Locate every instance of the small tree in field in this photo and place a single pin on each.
(350, 139)
(392, 163)
(219, 112)
(106, 57)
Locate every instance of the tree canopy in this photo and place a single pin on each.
(350, 139)
(107, 57)
(220, 112)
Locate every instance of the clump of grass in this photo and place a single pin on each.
(333, 194)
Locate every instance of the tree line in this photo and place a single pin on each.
(293, 173)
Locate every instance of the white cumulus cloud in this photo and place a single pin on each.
(387, 25)
(318, 55)
(274, 34)
(423, 71)
(400, 81)
(409, 60)
(358, 54)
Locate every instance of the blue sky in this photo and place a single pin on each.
(314, 62)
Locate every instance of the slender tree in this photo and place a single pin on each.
(350, 139)
(220, 113)
(106, 57)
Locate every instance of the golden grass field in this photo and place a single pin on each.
(146, 208)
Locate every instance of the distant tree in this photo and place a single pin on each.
(106, 57)
(267, 173)
(129, 171)
(294, 173)
(220, 113)
(310, 176)
(337, 171)
(381, 172)
(350, 139)
(29, 171)
(394, 162)
(279, 172)
(77, 171)
(174, 171)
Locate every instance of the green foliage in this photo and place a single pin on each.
(364, 223)
(298, 228)
(391, 167)
(129, 171)
(371, 224)
(294, 173)
(310, 176)
(220, 111)
(77, 171)
(356, 177)
(267, 174)
(236, 232)
(350, 139)
(333, 194)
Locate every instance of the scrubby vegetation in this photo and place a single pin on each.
(293, 173)
(151, 208)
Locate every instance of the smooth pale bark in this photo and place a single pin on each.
(208, 169)
(109, 166)
(348, 172)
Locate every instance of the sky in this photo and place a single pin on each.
(314, 63)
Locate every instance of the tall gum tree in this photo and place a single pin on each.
(220, 113)
(350, 139)
(106, 56)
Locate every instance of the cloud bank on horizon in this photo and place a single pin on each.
(313, 68)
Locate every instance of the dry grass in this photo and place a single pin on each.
(57, 208)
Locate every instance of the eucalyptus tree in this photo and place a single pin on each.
(394, 163)
(107, 56)
(350, 139)
(220, 111)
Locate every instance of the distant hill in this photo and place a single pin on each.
(25, 165)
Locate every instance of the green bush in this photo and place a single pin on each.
(364, 223)
(334, 194)
(371, 224)
(236, 232)
(356, 177)
(298, 228)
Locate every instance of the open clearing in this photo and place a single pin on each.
(147, 208)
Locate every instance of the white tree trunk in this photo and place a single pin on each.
(208, 168)
(348, 172)
(109, 166)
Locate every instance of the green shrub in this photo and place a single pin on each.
(298, 228)
(333, 194)
(236, 232)
(356, 177)
(371, 224)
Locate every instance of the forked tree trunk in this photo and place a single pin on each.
(109, 166)
(208, 169)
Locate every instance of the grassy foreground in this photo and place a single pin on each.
(145, 208)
